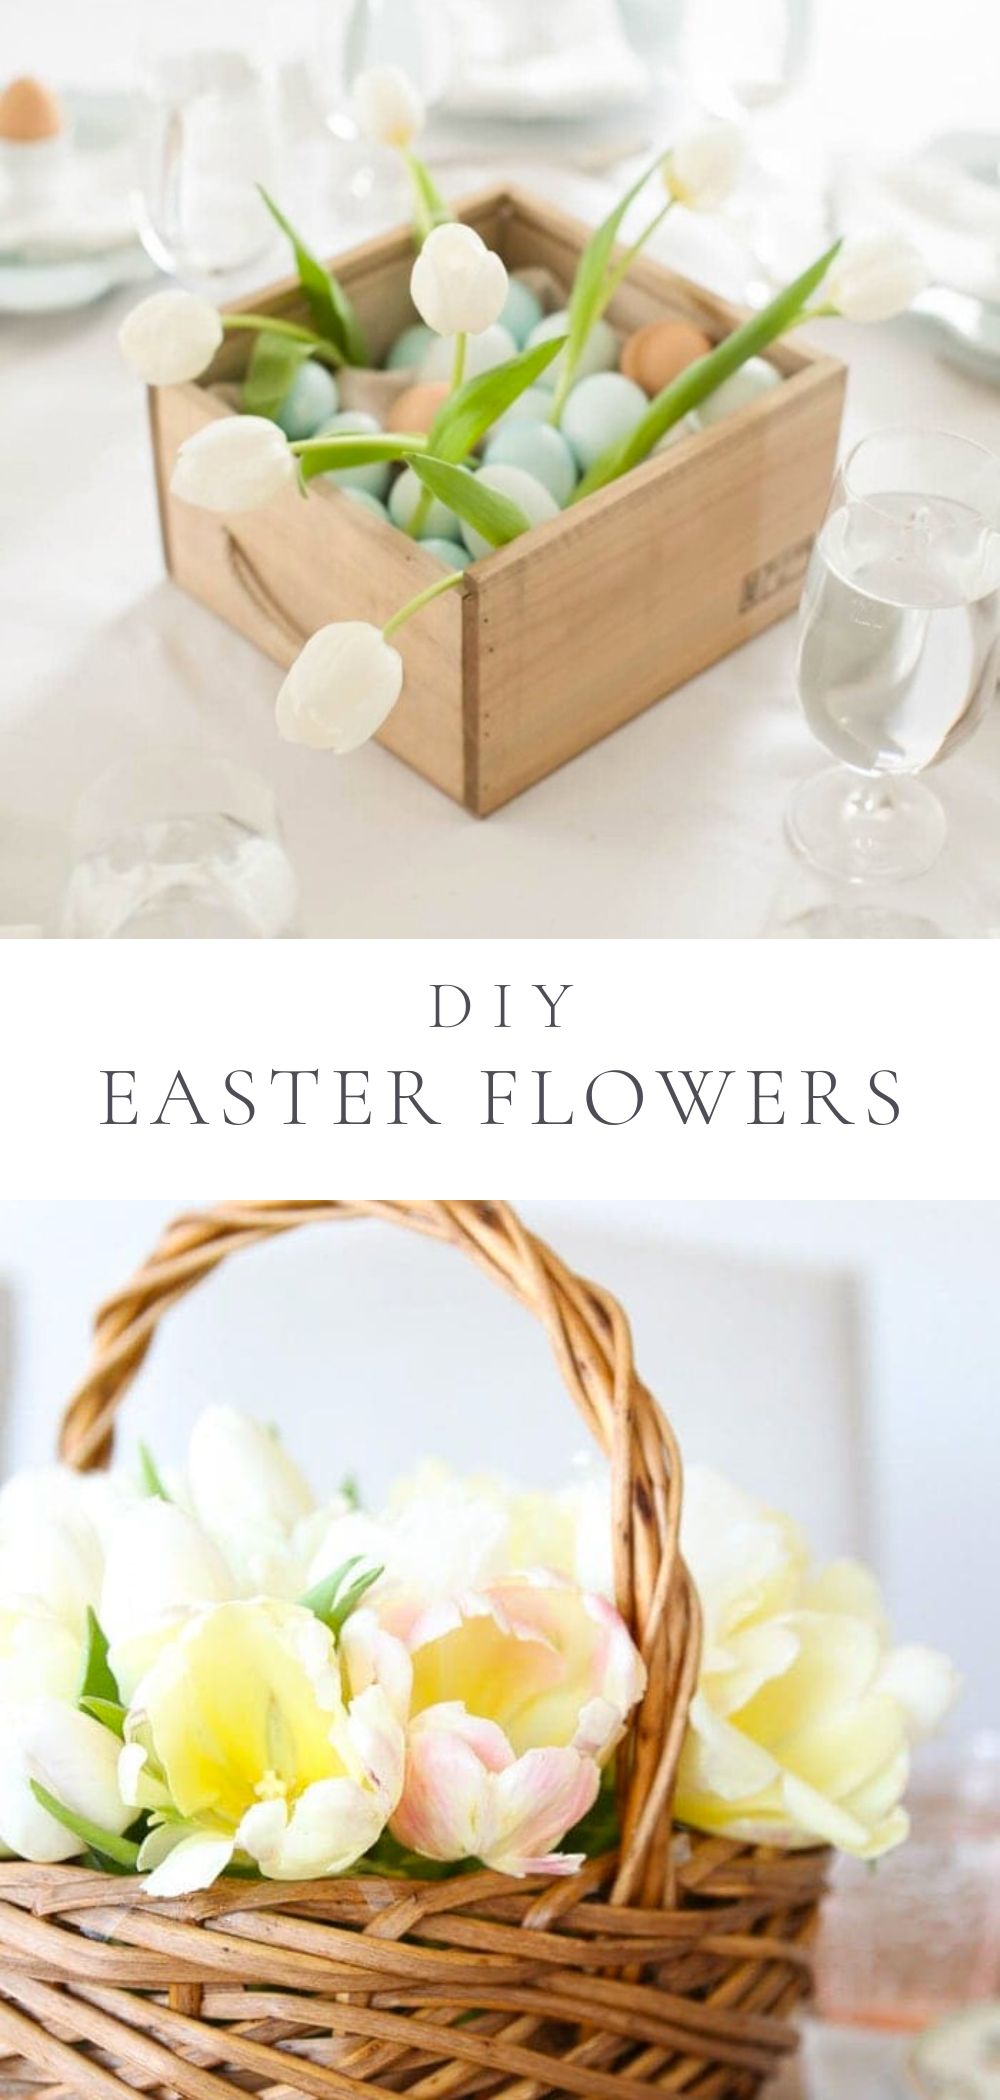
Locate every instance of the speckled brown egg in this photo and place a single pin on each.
(417, 407)
(29, 112)
(654, 355)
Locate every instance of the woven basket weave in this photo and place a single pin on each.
(673, 1967)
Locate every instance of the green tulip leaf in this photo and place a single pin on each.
(329, 304)
(274, 362)
(109, 1712)
(495, 517)
(105, 1843)
(323, 455)
(463, 419)
(701, 379)
(329, 1599)
(590, 285)
(149, 1474)
(97, 1680)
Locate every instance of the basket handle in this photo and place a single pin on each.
(590, 1339)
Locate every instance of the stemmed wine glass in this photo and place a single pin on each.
(898, 648)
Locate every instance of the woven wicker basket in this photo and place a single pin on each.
(671, 1968)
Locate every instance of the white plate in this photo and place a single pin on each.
(102, 125)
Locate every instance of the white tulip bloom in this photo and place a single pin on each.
(234, 463)
(388, 107)
(801, 1727)
(170, 337)
(339, 691)
(702, 170)
(51, 1551)
(247, 1494)
(458, 285)
(75, 1759)
(873, 277)
(160, 1567)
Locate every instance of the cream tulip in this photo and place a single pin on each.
(520, 1694)
(170, 337)
(248, 1496)
(458, 285)
(388, 107)
(160, 1567)
(51, 1544)
(873, 277)
(49, 1741)
(702, 170)
(244, 1738)
(800, 1730)
(233, 464)
(341, 688)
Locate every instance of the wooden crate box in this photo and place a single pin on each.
(564, 635)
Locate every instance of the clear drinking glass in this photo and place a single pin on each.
(207, 136)
(178, 846)
(351, 35)
(899, 647)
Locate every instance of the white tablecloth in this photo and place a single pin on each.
(673, 826)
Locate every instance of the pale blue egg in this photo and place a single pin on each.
(533, 406)
(529, 495)
(599, 412)
(365, 501)
(482, 353)
(542, 451)
(522, 312)
(753, 379)
(373, 480)
(440, 522)
(410, 348)
(311, 400)
(599, 354)
(451, 552)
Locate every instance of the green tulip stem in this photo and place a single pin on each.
(613, 280)
(325, 351)
(458, 366)
(415, 605)
(422, 507)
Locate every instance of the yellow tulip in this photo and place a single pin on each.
(245, 1738)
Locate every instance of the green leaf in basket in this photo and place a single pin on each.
(322, 455)
(329, 304)
(149, 1474)
(105, 1843)
(332, 1602)
(109, 1712)
(701, 379)
(495, 517)
(591, 289)
(463, 419)
(97, 1679)
(429, 207)
(274, 361)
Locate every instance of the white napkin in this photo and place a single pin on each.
(533, 59)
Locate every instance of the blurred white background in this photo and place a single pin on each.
(840, 1359)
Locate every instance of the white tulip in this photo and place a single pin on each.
(458, 285)
(73, 1757)
(247, 1494)
(235, 463)
(873, 277)
(388, 106)
(160, 1566)
(170, 337)
(339, 691)
(702, 170)
(51, 1553)
(40, 1658)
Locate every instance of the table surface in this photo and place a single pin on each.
(670, 827)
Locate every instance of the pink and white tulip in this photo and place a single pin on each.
(520, 1693)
